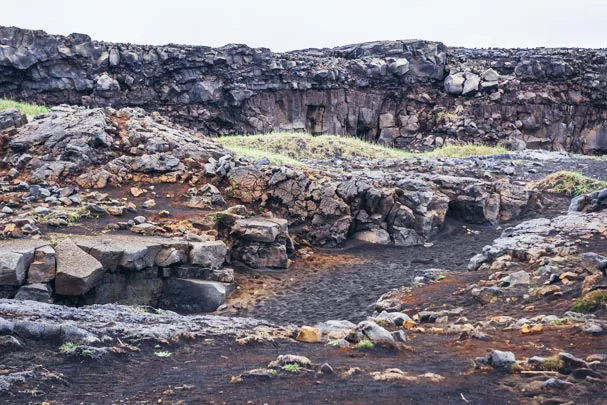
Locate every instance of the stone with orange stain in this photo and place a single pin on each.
(531, 330)
(309, 334)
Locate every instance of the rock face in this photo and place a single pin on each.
(401, 93)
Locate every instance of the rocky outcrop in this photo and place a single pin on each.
(49, 164)
(117, 268)
(410, 94)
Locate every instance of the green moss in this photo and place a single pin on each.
(364, 344)
(292, 368)
(590, 302)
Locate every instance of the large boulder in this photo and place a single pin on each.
(15, 258)
(77, 271)
(40, 292)
(191, 295)
(260, 229)
(42, 269)
(454, 83)
(210, 254)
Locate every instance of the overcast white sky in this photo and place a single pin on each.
(286, 25)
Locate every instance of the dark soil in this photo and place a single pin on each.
(349, 291)
(200, 373)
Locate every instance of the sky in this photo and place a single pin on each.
(288, 25)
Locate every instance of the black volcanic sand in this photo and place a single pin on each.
(350, 291)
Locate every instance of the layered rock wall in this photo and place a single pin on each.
(410, 94)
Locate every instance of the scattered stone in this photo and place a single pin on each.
(309, 334)
(285, 359)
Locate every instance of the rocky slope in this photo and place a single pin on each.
(410, 94)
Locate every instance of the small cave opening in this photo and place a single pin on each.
(466, 212)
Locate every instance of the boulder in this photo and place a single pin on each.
(77, 271)
(42, 269)
(35, 292)
(514, 279)
(134, 253)
(497, 359)
(309, 334)
(261, 255)
(211, 254)
(454, 83)
(490, 75)
(128, 288)
(471, 83)
(15, 259)
(260, 229)
(376, 236)
(371, 331)
(190, 295)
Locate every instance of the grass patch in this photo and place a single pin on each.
(294, 147)
(462, 151)
(30, 110)
(291, 148)
(570, 183)
(364, 344)
(590, 302)
(292, 368)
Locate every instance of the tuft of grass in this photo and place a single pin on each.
(570, 183)
(67, 346)
(364, 344)
(334, 343)
(30, 110)
(163, 354)
(590, 302)
(462, 151)
(292, 368)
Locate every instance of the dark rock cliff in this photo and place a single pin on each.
(409, 94)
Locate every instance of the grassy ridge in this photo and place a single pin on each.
(291, 148)
(302, 146)
(30, 110)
